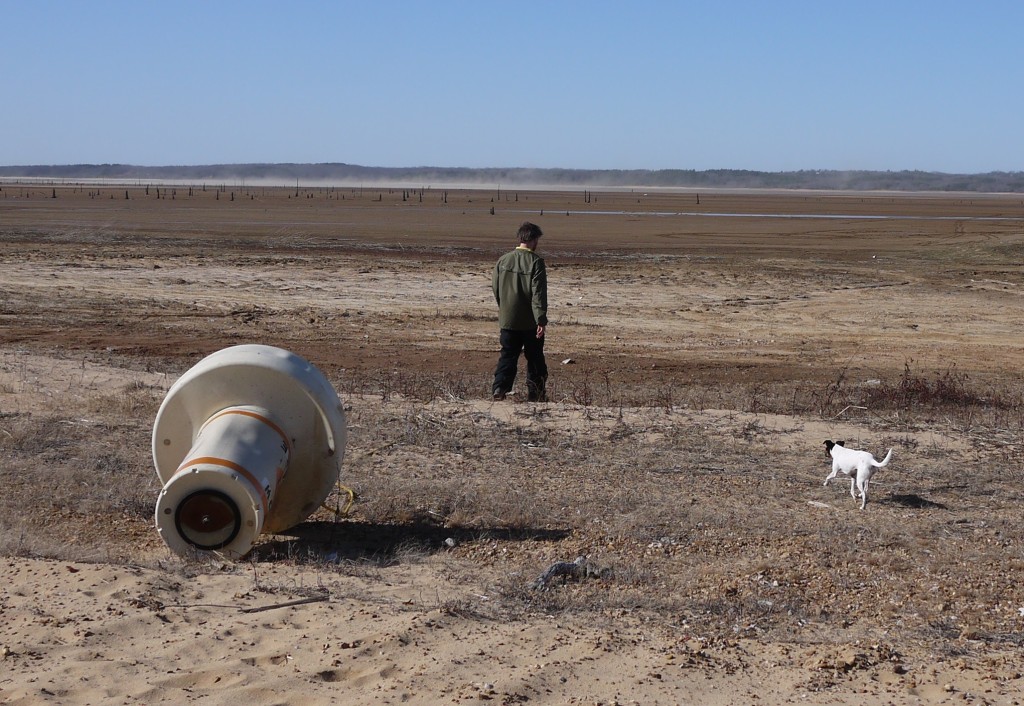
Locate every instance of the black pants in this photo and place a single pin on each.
(512, 344)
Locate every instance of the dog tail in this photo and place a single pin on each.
(884, 462)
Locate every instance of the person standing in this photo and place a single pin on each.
(520, 284)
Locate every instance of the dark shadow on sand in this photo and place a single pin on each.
(912, 500)
(382, 544)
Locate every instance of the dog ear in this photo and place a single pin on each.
(840, 443)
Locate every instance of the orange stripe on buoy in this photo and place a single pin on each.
(240, 470)
(260, 417)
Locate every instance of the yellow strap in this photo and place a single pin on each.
(348, 505)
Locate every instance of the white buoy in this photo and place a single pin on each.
(249, 440)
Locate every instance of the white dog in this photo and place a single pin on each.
(858, 466)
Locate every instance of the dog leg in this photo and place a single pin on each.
(853, 485)
(863, 478)
(830, 476)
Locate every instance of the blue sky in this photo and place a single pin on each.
(762, 85)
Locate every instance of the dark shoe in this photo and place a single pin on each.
(540, 397)
(498, 396)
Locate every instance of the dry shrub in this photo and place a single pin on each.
(413, 385)
(953, 394)
(917, 397)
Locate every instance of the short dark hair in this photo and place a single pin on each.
(529, 231)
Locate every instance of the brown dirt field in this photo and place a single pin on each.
(715, 340)
(403, 284)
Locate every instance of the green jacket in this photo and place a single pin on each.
(520, 284)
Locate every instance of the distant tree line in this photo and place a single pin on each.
(336, 172)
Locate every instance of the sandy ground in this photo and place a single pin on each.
(680, 298)
(87, 633)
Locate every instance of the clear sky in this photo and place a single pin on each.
(766, 85)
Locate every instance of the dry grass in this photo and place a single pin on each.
(680, 511)
(71, 485)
